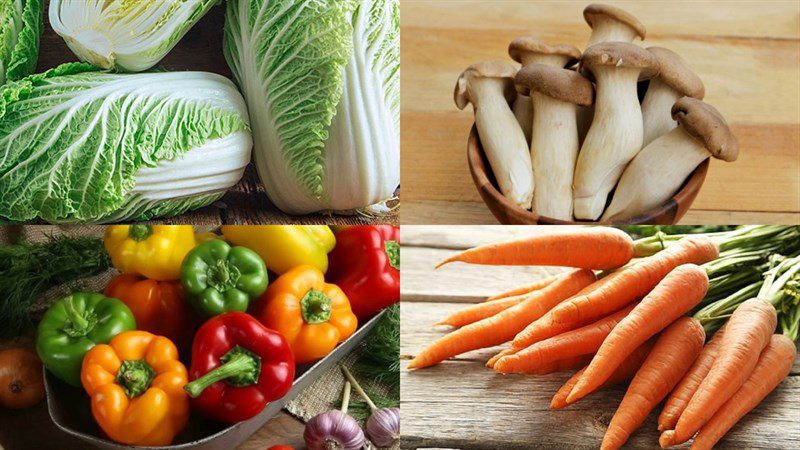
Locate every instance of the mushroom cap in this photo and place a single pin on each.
(705, 124)
(533, 45)
(620, 54)
(561, 84)
(674, 72)
(595, 10)
(484, 69)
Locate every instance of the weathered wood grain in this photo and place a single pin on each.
(460, 237)
(247, 202)
(747, 56)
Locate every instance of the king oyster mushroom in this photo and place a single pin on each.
(612, 24)
(675, 80)
(659, 170)
(489, 87)
(608, 24)
(529, 50)
(554, 147)
(615, 135)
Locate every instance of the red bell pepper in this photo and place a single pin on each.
(238, 366)
(365, 264)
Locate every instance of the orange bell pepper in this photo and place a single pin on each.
(158, 306)
(314, 316)
(136, 385)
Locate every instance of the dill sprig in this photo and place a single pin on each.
(27, 270)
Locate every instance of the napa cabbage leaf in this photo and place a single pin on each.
(79, 144)
(20, 28)
(321, 79)
(127, 35)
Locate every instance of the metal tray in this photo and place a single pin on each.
(70, 409)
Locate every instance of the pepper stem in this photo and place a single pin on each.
(78, 324)
(315, 307)
(240, 367)
(352, 380)
(140, 232)
(392, 249)
(223, 276)
(135, 376)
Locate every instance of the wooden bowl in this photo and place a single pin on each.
(508, 213)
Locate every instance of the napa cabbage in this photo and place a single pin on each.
(321, 79)
(20, 28)
(78, 144)
(128, 35)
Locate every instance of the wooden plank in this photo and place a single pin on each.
(247, 202)
(476, 212)
(460, 237)
(757, 19)
(458, 282)
(760, 102)
(474, 408)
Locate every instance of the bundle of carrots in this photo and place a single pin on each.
(632, 323)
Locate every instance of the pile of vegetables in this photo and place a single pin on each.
(568, 128)
(198, 324)
(621, 315)
(94, 141)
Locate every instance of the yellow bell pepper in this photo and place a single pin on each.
(154, 251)
(284, 247)
(136, 387)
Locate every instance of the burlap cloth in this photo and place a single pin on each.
(323, 395)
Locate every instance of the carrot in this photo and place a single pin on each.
(583, 341)
(747, 332)
(624, 372)
(508, 351)
(619, 289)
(681, 290)
(773, 365)
(526, 289)
(503, 326)
(560, 365)
(479, 311)
(675, 350)
(597, 248)
(680, 396)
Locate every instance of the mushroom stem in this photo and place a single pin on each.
(656, 110)
(655, 174)
(554, 150)
(584, 120)
(503, 141)
(610, 30)
(523, 111)
(614, 138)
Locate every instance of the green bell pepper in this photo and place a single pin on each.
(218, 278)
(73, 325)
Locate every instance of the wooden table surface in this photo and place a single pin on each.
(462, 404)
(746, 52)
(247, 202)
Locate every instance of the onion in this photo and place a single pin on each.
(334, 430)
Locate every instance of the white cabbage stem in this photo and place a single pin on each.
(554, 150)
(614, 138)
(503, 140)
(657, 110)
(655, 174)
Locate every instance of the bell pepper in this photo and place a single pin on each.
(73, 325)
(238, 366)
(136, 387)
(284, 247)
(313, 315)
(158, 306)
(154, 251)
(218, 278)
(366, 264)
